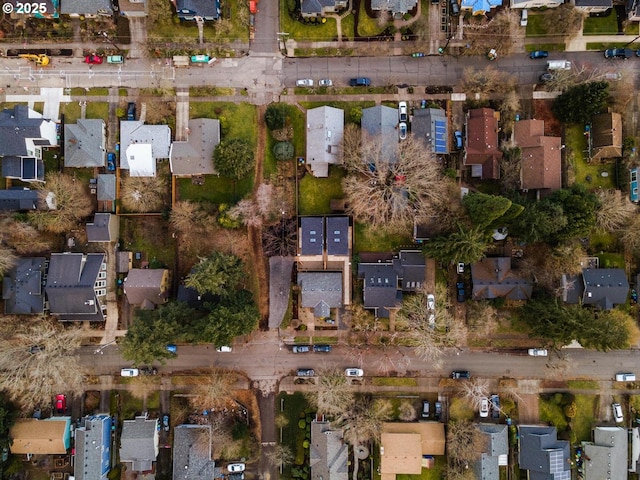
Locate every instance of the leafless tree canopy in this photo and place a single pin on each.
(465, 444)
(187, 217)
(362, 423)
(280, 239)
(631, 235)
(279, 454)
(254, 212)
(23, 237)
(483, 34)
(474, 390)
(7, 259)
(615, 210)
(486, 81)
(390, 194)
(548, 264)
(32, 379)
(215, 390)
(331, 397)
(144, 194)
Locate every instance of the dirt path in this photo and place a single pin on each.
(255, 233)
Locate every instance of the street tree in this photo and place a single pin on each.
(234, 158)
(489, 80)
(484, 209)
(217, 274)
(467, 245)
(465, 444)
(581, 102)
(68, 202)
(144, 194)
(213, 390)
(474, 391)
(234, 315)
(37, 359)
(330, 395)
(614, 210)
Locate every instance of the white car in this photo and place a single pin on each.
(224, 349)
(304, 82)
(617, 412)
(236, 467)
(538, 352)
(484, 407)
(129, 372)
(625, 377)
(402, 112)
(325, 82)
(402, 130)
(431, 302)
(460, 267)
(354, 372)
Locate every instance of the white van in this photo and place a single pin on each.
(524, 18)
(625, 377)
(558, 65)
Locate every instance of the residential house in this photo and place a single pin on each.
(633, 185)
(124, 262)
(19, 200)
(380, 288)
(380, 127)
(139, 443)
(143, 145)
(32, 436)
(194, 156)
(606, 135)
(104, 228)
(479, 7)
(22, 287)
(493, 277)
(106, 192)
(85, 144)
(542, 454)
(410, 266)
(431, 126)
(321, 291)
(133, 8)
(520, 4)
(593, 6)
(318, 8)
(192, 458)
(328, 453)
(86, 8)
(208, 10)
(607, 455)
(26, 134)
(602, 287)
(76, 286)
(93, 447)
(147, 287)
(325, 129)
(404, 445)
(482, 152)
(541, 162)
(396, 7)
(495, 453)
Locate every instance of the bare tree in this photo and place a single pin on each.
(486, 81)
(264, 200)
(7, 259)
(144, 194)
(331, 395)
(631, 235)
(474, 390)
(465, 444)
(22, 237)
(247, 212)
(280, 239)
(37, 359)
(563, 20)
(362, 423)
(407, 411)
(615, 210)
(510, 166)
(215, 390)
(68, 202)
(496, 32)
(482, 317)
(279, 454)
(187, 216)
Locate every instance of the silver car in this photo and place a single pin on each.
(325, 82)
(354, 372)
(304, 82)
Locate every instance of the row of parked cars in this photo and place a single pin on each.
(327, 82)
(349, 372)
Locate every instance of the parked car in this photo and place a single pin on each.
(538, 352)
(224, 349)
(322, 348)
(165, 423)
(454, 7)
(425, 409)
(460, 267)
(360, 82)
(93, 59)
(460, 374)
(131, 111)
(115, 59)
(236, 467)
(495, 406)
(546, 77)
(172, 348)
(354, 372)
(457, 135)
(402, 131)
(484, 407)
(200, 58)
(625, 377)
(148, 371)
(460, 293)
(524, 18)
(305, 372)
(402, 112)
(111, 162)
(437, 411)
(431, 302)
(617, 412)
(301, 348)
(61, 403)
(538, 54)
(129, 372)
(618, 53)
(325, 82)
(304, 82)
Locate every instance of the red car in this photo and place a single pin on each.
(61, 403)
(93, 59)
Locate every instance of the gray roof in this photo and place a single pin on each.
(311, 235)
(106, 188)
(410, 266)
(380, 287)
(380, 124)
(93, 447)
(28, 169)
(144, 285)
(325, 129)
(604, 287)
(207, 9)
(123, 261)
(86, 7)
(22, 287)
(543, 454)
(136, 132)
(497, 443)
(195, 156)
(84, 143)
(21, 127)
(394, 6)
(18, 199)
(594, 3)
(99, 230)
(70, 286)
(192, 453)
(328, 453)
(430, 125)
(337, 235)
(606, 456)
(321, 291)
(139, 443)
(316, 6)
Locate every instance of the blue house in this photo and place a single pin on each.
(633, 185)
(93, 448)
(193, 9)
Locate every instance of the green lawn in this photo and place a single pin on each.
(611, 260)
(236, 120)
(370, 239)
(294, 407)
(551, 412)
(71, 112)
(98, 110)
(536, 25)
(394, 382)
(460, 409)
(367, 26)
(216, 189)
(601, 25)
(587, 173)
(583, 384)
(316, 193)
(584, 420)
(136, 238)
(348, 25)
(435, 473)
(306, 31)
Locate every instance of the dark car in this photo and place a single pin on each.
(538, 54)
(460, 292)
(131, 111)
(546, 77)
(425, 409)
(495, 406)
(460, 374)
(618, 53)
(301, 348)
(455, 8)
(148, 371)
(305, 372)
(111, 161)
(322, 348)
(437, 412)
(360, 82)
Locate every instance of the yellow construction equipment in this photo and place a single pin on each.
(41, 59)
